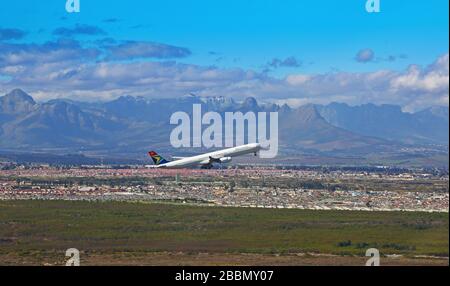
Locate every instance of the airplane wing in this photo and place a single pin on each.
(211, 160)
(214, 160)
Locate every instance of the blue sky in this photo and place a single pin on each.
(272, 38)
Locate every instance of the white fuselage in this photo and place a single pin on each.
(205, 159)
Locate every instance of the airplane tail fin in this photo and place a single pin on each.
(157, 159)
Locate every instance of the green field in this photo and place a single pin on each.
(42, 228)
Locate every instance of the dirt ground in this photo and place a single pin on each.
(216, 259)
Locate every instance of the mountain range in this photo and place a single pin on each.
(429, 126)
(129, 126)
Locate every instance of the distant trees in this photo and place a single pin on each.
(243, 183)
(231, 187)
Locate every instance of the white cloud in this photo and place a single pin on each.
(435, 78)
(139, 50)
(298, 79)
(68, 70)
(365, 55)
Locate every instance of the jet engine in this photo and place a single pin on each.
(225, 160)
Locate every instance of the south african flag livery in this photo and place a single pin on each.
(157, 159)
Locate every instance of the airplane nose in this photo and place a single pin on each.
(264, 146)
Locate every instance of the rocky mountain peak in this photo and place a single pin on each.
(15, 102)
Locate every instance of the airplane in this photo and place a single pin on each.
(205, 161)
